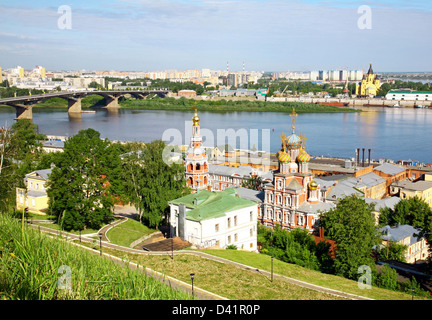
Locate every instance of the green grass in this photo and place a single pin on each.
(235, 283)
(261, 261)
(230, 105)
(127, 232)
(31, 262)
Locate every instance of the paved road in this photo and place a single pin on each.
(199, 293)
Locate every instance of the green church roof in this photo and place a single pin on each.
(209, 205)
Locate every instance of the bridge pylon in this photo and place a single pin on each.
(74, 105)
(22, 111)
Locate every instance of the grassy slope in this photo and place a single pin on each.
(30, 270)
(127, 232)
(262, 262)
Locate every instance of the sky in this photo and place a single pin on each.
(267, 35)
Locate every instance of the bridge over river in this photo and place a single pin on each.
(24, 104)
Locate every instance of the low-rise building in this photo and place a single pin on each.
(379, 204)
(215, 219)
(187, 93)
(223, 177)
(409, 95)
(417, 248)
(34, 195)
(53, 146)
(408, 189)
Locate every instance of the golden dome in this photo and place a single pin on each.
(313, 185)
(303, 156)
(283, 156)
(195, 118)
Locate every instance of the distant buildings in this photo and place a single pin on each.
(321, 75)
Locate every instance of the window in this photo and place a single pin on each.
(217, 227)
(229, 222)
(235, 220)
(229, 239)
(251, 216)
(235, 237)
(251, 232)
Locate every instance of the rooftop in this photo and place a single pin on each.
(39, 174)
(389, 168)
(415, 186)
(209, 205)
(399, 233)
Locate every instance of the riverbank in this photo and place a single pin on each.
(229, 106)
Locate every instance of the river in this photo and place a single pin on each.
(398, 134)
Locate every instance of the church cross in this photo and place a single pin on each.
(293, 115)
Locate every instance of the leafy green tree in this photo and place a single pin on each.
(295, 246)
(352, 225)
(413, 211)
(150, 182)
(82, 185)
(254, 183)
(392, 251)
(387, 278)
(20, 150)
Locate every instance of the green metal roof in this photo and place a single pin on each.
(410, 91)
(209, 205)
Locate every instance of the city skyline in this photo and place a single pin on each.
(141, 35)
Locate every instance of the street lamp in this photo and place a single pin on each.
(192, 277)
(271, 269)
(100, 243)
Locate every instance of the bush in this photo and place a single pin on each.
(232, 247)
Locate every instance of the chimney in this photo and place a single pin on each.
(363, 162)
(369, 156)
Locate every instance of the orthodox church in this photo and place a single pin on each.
(369, 85)
(294, 199)
(197, 170)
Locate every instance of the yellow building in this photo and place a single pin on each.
(1, 75)
(34, 195)
(369, 85)
(407, 189)
(417, 248)
(20, 72)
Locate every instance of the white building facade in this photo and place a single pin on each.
(208, 219)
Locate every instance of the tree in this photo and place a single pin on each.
(20, 150)
(253, 182)
(82, 184)
(150, 182)
(413, 211)
(352, 225)
(392, 251)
